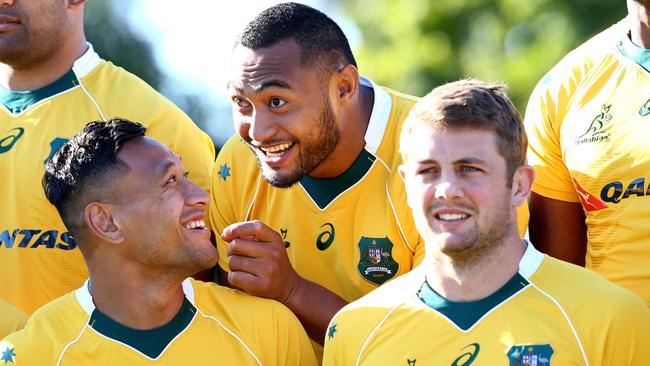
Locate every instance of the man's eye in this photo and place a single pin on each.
(470, 169)
(171, 180)
(276, 102)
(240, 102)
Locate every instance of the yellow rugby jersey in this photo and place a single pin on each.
(550, 313)
(11, 318)
(39, 260)
(587, 123)
(215, 326)
(349, 234)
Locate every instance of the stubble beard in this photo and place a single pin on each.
(479, 245)
(29, 46)
(315, 151)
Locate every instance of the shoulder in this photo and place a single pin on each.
(119, 93)
(11, 318)
(372, 307)
(242, 310)
(569, 72)
(577, 290)
(236, 167)
(47, 332)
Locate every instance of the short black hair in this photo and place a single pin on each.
(321, 40)
(80, 170)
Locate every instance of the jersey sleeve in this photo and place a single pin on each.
(175, 129)
(543, 120)
(11, 318)
(235, 180)
(347, 333)
(291, 345)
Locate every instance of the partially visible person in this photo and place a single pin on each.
(51, 84)
(482, 295)
(11, 318)
(307, 202)
(587, 121)
(139, 222)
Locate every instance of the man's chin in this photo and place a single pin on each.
(279, 180)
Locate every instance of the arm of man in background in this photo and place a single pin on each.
(558, 228)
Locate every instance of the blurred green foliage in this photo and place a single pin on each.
(415, 45)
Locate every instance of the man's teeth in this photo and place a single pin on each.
(452, 216)
(276, 148)
(197, 224)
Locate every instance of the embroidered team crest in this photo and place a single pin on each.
(376, 263)
(530, 355)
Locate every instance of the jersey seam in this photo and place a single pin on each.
(69, 344)
(566, 317)
(375, 330)
(233, 335)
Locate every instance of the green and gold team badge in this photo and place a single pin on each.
(376, 263)
(530, 355)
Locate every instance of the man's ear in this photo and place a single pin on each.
(346, 82)
(99, 218)
(522, 183)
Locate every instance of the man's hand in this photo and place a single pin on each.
(258, 261)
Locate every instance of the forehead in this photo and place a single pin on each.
(144, 155)
(427, 143)
(251, 68)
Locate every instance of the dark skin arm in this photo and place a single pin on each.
(558, 228)
(260, 266)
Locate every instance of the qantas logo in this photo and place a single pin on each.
(34, 238)
(589, 202)
(613, 192)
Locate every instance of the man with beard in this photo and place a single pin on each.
(306, 201)
(482, 295)
(139, 221)
(51, 84)
(588, 121)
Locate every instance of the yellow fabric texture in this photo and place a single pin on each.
(564, 315)
(228, 328)
(587, 122)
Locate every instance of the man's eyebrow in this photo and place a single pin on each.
(162, 169)
(478, 161)
(259, 87)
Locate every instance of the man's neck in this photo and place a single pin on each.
(639, 18)
(352, 133)
(136, 301)
(462, 283)
(39, 74)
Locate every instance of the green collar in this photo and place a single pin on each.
(324, 191)
(151, 342)
(18, 101)
(466, 314)
(635, 53)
